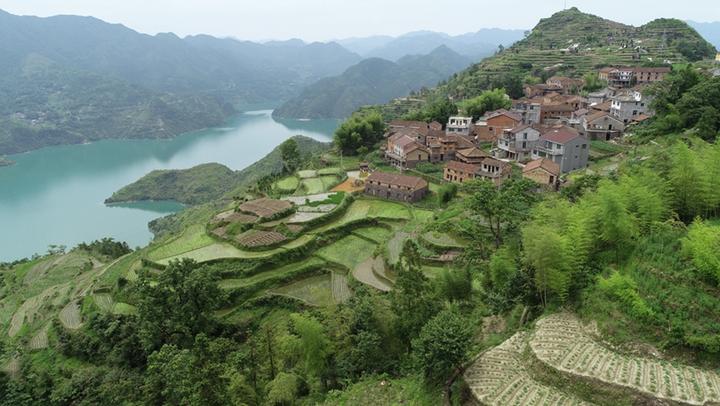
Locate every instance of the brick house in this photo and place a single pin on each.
(544, 172)
(491, 127)
(569, 85)
(651, 75)
(472, 155)
(398, 187)
(623, 77)
(564, 146)
(489, 169)
(404, 151)
(443, 147)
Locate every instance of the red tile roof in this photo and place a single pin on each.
(545, 164)
(462, 167)
(560, 135)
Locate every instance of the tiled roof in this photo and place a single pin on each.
(544, 163)
(473, 152)
(560, 135)
(398, 180)
(503, 112)
(463, 167)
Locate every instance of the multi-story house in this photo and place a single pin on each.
(650, 75)
(564, 146)
(517, 144)
(601, 125)
(405, 152)
(443, 147)
(459, 125)
(569, 85)
(544, 172)
(491, 127)
(528, 109)
(628, 105)
(490, 169)
(630, 76)
(472, 155)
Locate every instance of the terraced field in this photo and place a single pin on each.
(349, 252)
(340, 289)
(191, 240)
(219, 251)
(365, 272)
(271, 274)
(363, 209)
(499, 377)
(70, 316)
(104, 301)
(316, 290)
(377, 234)
(561, 342)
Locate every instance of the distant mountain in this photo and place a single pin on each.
(472, 45)
(69, 79)
(372, 81)
(709, 31)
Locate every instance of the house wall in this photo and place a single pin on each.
(541, 176)
(575, 155)
(393, 192)
(494, 128)
(452, 175)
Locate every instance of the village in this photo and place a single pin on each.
(546, 135)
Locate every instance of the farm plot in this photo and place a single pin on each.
(40, 340)
(561, 342)
(330, 171)
(104, 301)
(340, 288)
(365, 273)
(377, 234)
(316, 290)
(232, 216)
(395, 245)
(329, 181)
(219, 251)
(192, 239)
(265, 208)
(442, 240)
(349, 251)
(499, 377)
(363, 209)
(124, 308)
(287, 185)
(271, 274)
(301, 200)
(304, 217)
(30, 310)
(311, 186)
(306, 174)
(258, 238)
(70, 316)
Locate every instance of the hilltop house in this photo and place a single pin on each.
(490, 127)
(443, 147)
(517, 144)
(601, 125)
(490, 169)
(459, 125)
(568, 85)
(396, 187)
(544, 172)
(532, 91)
(564, 146)
(623, 77)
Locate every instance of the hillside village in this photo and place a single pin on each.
(556, 248)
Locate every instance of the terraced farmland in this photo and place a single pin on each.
(499, 377)
(561, 342)
(365, 272)
(70, 316)
(192, 239)
(340, 289)
(257, 238)
(348, 252)
(316, 290)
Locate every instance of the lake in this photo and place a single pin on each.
(55, 195)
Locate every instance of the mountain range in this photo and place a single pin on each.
(710, 31)
(372, 81)
(475, 45)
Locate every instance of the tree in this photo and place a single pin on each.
(411, 299)
(489, 100)
(283, 389)
(442, 344)
(702, 246)
(688, 183)
(360, 130)
(593, 82)
(545, 252)
(500, 207)
(290, 155)
(616, 224)
(313, 345)
(439, 110)
(178, 305)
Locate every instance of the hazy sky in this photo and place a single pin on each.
(328, 19)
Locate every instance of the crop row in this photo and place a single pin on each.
(561, 342)
(499, 377)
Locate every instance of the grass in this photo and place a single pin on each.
(311, 186)
(288, 184)
(316, 290)
(433, 271)
(443, 240)
(381, 390)
(191, 240)
(377, 234)
(306, 174)
(329, 181)
(365, 208)
(124, 308)
(330, 171)
(219, 251)
(349, 251)
(274, 273)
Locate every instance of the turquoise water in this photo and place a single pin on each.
(55, 195)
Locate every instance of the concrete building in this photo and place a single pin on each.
(489, 169)
(459, 125)
(601, 125)
(564, 146)
(517, 144)
(492, 126)
(629, 104)
(396, 187)
(405, 152)
(472, 155)
(528, 109)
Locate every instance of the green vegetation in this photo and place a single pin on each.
(488, 101)
(359, 133)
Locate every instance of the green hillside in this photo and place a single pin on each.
(372, 81)
(599, 42)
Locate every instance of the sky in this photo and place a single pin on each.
(321, 20)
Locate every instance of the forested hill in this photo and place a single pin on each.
(70, 79)
(573, 43)
(372, 81)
